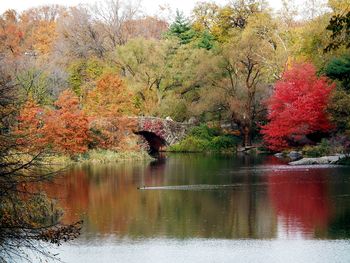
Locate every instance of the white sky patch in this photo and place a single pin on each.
(150, 7)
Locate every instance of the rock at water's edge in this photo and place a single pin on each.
(321, 160)
(278, 155)
(294, 155)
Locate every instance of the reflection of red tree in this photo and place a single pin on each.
(300, 197)
(272, 160)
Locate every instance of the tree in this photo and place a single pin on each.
(221, 21)
(307, 42)
(297, 108)
(339, 69)
(206, 40)
(113, 18)
(108, 106)
(139, 62)
(66, 128)
(110, 98)
(29, 128)
(10, 34)
(181, 28)
(192, 71)
(40, 27)
(288, 12)
(79, 36)
(27, 217)
(33, 82)
(339, 25)
(204, 14)
(83, 74)
(147, 27)
(339, 109)
(247, 64)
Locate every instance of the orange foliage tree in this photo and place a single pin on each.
(29, 128)
(10, 33)
(66, 128)
(110, 98)
(109, 106)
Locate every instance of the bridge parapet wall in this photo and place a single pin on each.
(170, 131)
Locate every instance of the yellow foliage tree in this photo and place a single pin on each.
(108, 106)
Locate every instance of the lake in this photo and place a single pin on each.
(206, 208)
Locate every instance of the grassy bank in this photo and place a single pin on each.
(108, 156)
(99, 156)
(205, 139)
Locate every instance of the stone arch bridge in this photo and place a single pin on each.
(159, 132)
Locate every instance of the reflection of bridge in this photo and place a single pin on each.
(160, 132)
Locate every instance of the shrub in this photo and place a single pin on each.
(321, 149)
(223, 143)
(204, 132)
(191, 144)
(203, 138)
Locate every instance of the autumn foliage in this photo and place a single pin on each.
(63, 129)
(10, 34)
(110, 98)
(66, 128)
(69, 130)
(297, 108)
(107, 106)
(29, 129)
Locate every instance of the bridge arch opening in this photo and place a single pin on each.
(155, 142)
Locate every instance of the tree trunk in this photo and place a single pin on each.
(247, 136)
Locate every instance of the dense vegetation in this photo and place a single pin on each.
(78, 72)
(205, 139)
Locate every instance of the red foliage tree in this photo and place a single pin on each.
(66, 128)
(297, 108)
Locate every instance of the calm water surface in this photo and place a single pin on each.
(236, 209)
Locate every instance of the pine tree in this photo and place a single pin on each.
(181, 28)
(339, 69)
(206, 40)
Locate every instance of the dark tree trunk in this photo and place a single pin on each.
(247, 136)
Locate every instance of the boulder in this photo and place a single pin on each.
(294, 155)
(320, 160)
(278, 155)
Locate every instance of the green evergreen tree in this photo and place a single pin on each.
(206, 40)
(181, 28)
(339, 69)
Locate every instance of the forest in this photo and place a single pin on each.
(70, 76)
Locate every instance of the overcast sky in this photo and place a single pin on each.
(150, 6)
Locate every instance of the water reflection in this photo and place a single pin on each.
(300, 199)
(270, 200)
